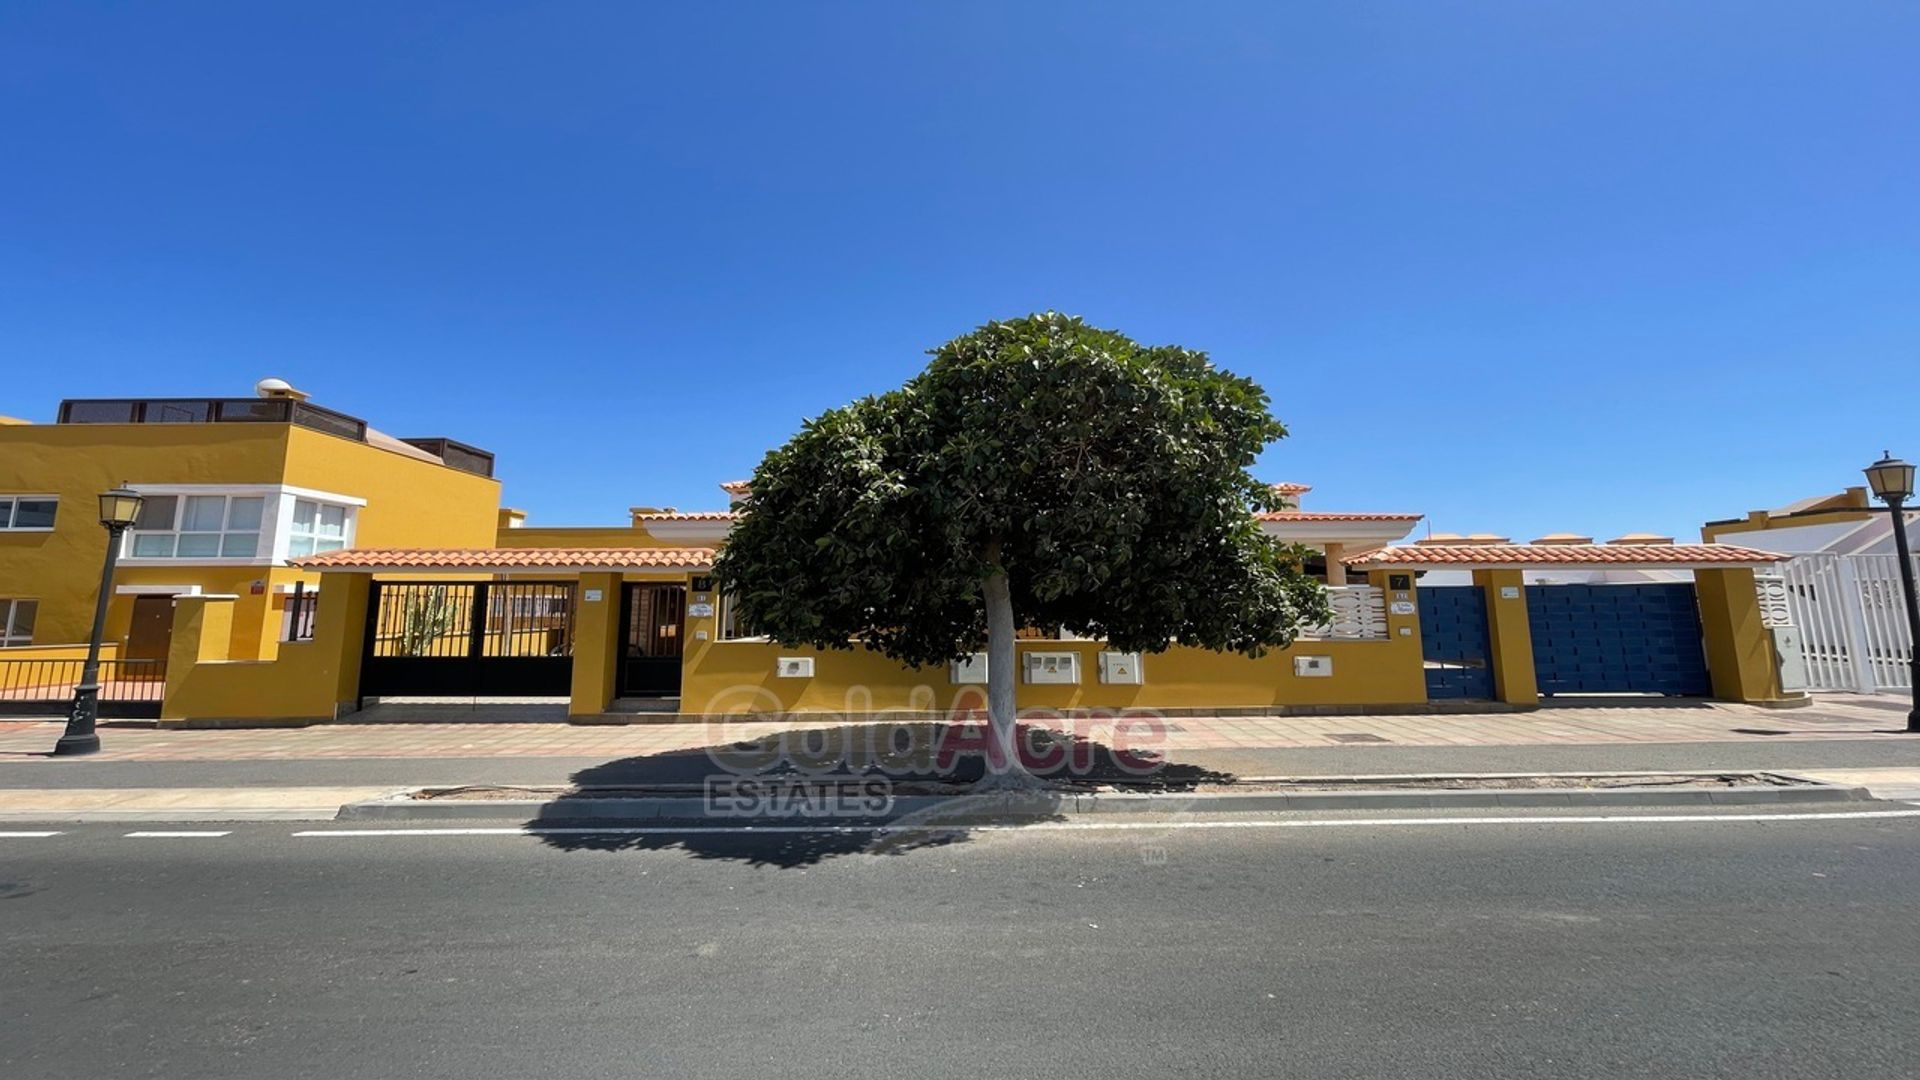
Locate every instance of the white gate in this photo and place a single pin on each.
(1852, 620)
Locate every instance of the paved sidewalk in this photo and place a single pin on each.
(1837, 717)
(180, 804)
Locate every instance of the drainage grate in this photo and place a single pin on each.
(1356, 736)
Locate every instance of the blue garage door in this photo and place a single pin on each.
(1598, 639)
(1454, 642)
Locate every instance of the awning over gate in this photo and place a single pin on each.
(1535, 556)
(510, 560)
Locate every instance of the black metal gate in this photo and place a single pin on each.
(469, 639)
(653, 621)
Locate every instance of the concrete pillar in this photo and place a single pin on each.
(1336, 570)
(1740, 657)
(1509, 635)
(202, 633)
(596, 645)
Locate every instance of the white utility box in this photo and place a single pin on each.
(969, 672)
(1313, 667)
(1790, 652)
(1120, 667)
(1053, 667)
(793, 667)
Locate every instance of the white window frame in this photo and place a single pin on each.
(9, 607)
(276, 521)
(11, 501)
(726, 622)
(223, 528)
(320, 506)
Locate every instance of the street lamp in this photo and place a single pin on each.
(1892, 481)
(119, 509)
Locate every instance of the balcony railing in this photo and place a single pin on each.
(128, 688)
(211, 411)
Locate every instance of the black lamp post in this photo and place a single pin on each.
(1892, 481)
(119, 509)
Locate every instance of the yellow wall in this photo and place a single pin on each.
(583, 536)
(721, 677)
(108, 651)
(1510, 636)
(409, 503)
(1740, 657)
(61, 568)
(307, 683)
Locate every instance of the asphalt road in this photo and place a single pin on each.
(1518, 947)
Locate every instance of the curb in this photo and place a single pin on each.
(695, 809)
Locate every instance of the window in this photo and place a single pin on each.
(198, 527)
(16, 621)
(317, 527)
(296, 620)
(732, 626)
(27, 512)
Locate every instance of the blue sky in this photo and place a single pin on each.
(1523, 267)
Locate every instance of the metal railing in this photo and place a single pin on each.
(38, 687)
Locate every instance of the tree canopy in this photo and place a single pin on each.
(1107, 480)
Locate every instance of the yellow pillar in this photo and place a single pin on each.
(1401, 662)
(202, 633)
(596, 645)
(1510, 636)
(1740, 657)
(340, 631)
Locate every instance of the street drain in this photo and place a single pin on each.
(1759, 731)
(1355, 736)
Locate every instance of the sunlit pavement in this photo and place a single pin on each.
(1652, 722)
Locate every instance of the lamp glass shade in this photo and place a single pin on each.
(1891, 478)
(119, 507)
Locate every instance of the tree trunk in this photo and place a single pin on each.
(1007, 771)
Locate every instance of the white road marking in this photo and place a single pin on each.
(30, 835)
(178, 835)
(1114, 826)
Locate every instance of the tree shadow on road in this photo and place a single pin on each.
(809, 791)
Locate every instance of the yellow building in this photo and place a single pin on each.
(235, 488)
(429, 589)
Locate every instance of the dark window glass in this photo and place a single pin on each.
(156, 513)
(327, 420)
(241, 409)
(97, 412)
(177, 412)
(33, 514)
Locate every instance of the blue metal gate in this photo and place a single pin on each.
(1454, 641)
(1590, 639)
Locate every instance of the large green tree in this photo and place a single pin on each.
(1039, 472)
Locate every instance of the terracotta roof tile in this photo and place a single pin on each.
(735, 487)
(494, 559)
(1523, 555)
(1328, 515)
(683, 515)
(1289, 488)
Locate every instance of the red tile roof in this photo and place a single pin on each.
(684, 515)
(1326, 515)
(1507, 556)
(497, 559)
(1285, 487)
(735, 487)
